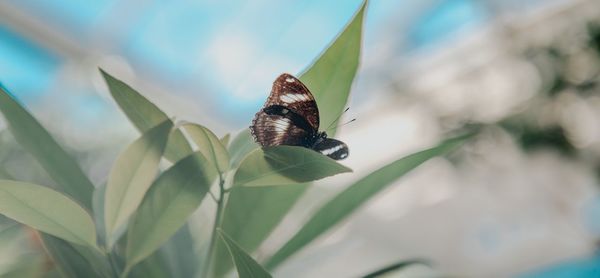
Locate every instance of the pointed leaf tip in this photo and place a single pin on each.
(246, 266)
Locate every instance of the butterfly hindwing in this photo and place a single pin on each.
(333, 148)
(274, 129)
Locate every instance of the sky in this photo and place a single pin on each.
(222, 54)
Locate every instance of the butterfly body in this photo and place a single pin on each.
(291, 117)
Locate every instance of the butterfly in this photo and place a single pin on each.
(291, 117)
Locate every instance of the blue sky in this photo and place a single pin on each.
(224, 52)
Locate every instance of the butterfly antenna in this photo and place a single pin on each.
(338, 118)
(348, 122)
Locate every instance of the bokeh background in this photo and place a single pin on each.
(521, 200)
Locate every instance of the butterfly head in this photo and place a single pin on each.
(319, 136)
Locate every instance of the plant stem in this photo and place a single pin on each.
(213, 236)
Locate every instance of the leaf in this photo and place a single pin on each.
(240, 147)
(343, 204)
(9, 232)
(36, 140)
(131, 176)
(173, 197)
(6, 175)
(394, 268)
(153, 267)
(175, 259)
(209, 145)
(48, 211)
(264, 207)
(98, 209)
(250, 215)
(330, 77)
(145, 115)
(225, 140)
(180, 255)
(246, 265)
(282, 165)
(75, 261)
(28, 266)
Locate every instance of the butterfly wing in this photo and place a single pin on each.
(289, 117)
(288, 91)
(333, 148)
(271, 129)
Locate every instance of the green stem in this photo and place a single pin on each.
(213, 237)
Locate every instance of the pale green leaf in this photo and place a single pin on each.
(240, 147)
(98, 209)
(29, 266)
(225, 140)
(131, 176)
(48, 211)
(173, 197)
(209, 145)
(346, 202)
(180, 255)
(152, 267)
(330, 77)
(145, 115)
(246, 266)
(175, 259)
(32, 136)
(283, 165)
(74, 261)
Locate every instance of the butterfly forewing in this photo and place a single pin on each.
(288, 91)
(273, 130)
(289, 117)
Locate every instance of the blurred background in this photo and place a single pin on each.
(521, 200)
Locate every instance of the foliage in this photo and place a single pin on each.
(135, 224)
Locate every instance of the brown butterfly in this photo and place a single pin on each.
(291, 117)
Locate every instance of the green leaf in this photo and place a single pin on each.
(394, 268)
(175, 259)
(173, 197)
(131, 176)
(145, 115)
(225, 140)
(246, 265)
(241, 146)
(250, 215)
(330, 77)
(209, 145)
(9, 232)
(180, 255)
(282, 165)
(36, 140)
(76, 261)
(152, 267)
(28, 266)
(48, 211)
(6, 175)
(98, 209)
(354, 196)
